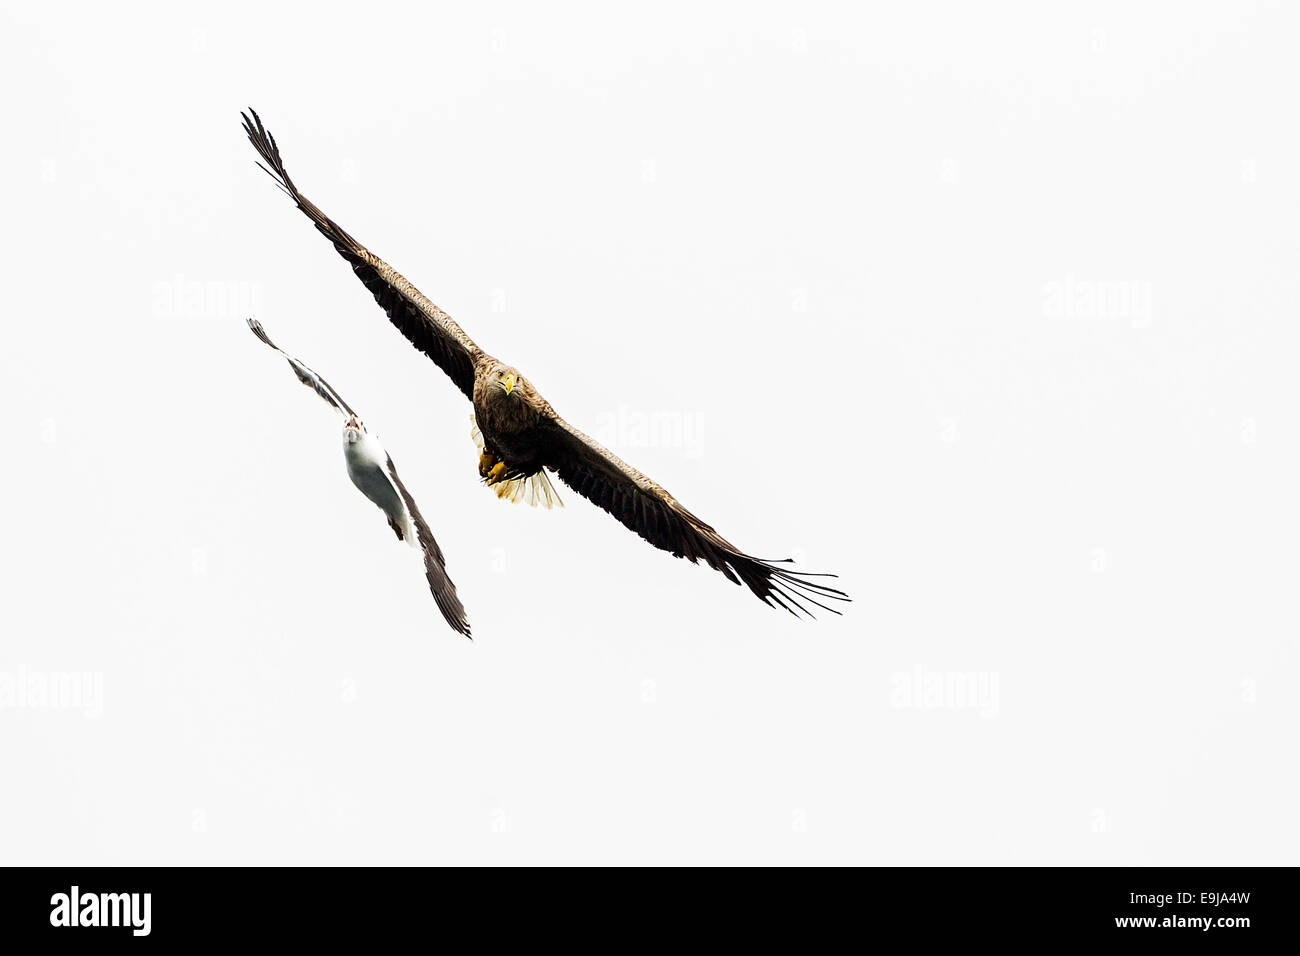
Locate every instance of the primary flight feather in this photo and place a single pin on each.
(520, 436)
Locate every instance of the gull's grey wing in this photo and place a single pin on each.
(435, 569)
(305, 374)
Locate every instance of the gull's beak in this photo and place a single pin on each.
(508, 382)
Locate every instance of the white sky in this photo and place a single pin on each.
(990, 311)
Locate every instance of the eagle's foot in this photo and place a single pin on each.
(485, 462)
(497, 470)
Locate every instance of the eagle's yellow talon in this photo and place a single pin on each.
(485, 463)
(494, 475)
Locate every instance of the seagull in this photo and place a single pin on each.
(373, 472)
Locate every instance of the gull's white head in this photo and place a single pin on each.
(352, 430)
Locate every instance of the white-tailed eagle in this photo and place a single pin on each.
(521, 436)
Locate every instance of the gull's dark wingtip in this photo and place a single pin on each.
(260, 332)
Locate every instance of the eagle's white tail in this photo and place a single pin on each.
(534, 490)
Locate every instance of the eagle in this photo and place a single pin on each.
(373, 472)
(520, 437)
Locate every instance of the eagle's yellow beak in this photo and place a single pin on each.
(508, 382)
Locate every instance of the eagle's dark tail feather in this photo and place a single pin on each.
(273, 166)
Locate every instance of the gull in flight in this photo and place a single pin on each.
(373, 472)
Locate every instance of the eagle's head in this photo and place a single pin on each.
(352, 430)
(507, 380)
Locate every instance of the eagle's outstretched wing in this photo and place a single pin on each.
(426, 326)
(305, 374)
(435, 567)
(645, 507)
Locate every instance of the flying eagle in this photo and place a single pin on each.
(373, 472)
(520, 435)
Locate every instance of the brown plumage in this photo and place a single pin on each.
(522, 436)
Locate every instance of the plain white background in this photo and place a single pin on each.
(991, 311)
